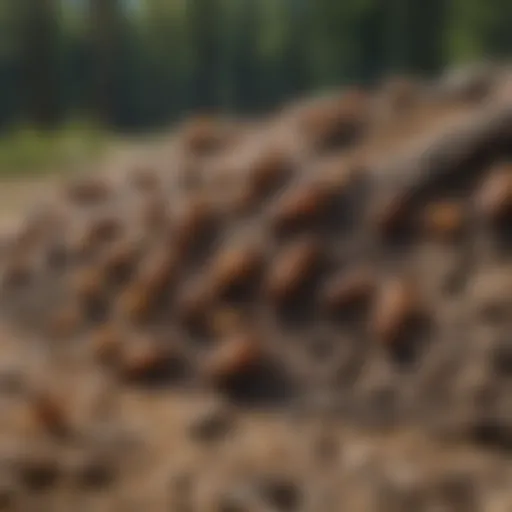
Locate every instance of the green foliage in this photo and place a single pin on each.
(27, 149)
(142, 67)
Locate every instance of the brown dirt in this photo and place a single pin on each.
(293, 315)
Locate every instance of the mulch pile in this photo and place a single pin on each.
(347, 258)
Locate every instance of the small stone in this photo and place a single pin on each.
(49, 412)
(144, 358)
(12, 378)
(158, 270)
(269, 170)
(9, 492)
(494, 199)
(235, 269)
(202, 135)
(194, 223)
(193, 303)
(135, 303)
(489, 292)
(88, 284)
(88, 191)
(348, 289)
(397, 304)
(391, 218)
(301, 207)
(444, 220)
(281, 494)
(502, 357)
(66, 321)
(457, 491)
(90, 471)
(211, 425)
(233, 357)
(106, 344)
(226, 321)
(144, 178)
(119, 260)
(17, 273)
(38, 470)
(293, 267)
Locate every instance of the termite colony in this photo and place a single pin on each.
(222, 264)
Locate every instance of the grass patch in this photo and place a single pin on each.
(28, 151)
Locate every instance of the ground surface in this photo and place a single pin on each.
(75, 437)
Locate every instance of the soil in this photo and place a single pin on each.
(308, 312)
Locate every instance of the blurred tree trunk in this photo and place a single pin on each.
(202, 17)
(104, 24)
(395, 43)
(246, 79)
(416, 35)
(425, 35)
(372, 37)
(296, 56)
(498, 30)
(39, 60)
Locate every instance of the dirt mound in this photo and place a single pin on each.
(349, 256)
